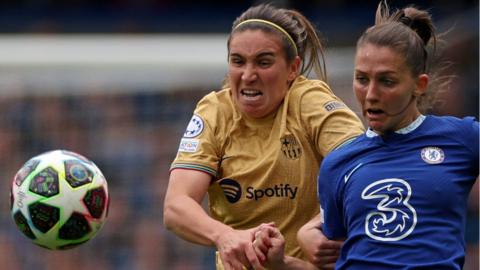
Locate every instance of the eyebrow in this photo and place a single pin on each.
(388, 72)
(262, 54)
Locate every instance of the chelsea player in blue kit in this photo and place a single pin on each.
(397, 195)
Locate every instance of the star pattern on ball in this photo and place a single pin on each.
(71, 195)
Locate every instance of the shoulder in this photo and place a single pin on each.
(344, 154)
(453, 121)
(215, 106)
(303, 87)
(453, 125)
(315, 95)
(215, 99)
(463, 131)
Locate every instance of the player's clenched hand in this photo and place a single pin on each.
(269, 245)
(319, 250)
(236, 250)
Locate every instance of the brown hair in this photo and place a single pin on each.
(300, 29)
(410, 32)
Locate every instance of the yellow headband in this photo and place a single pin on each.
(273, 25)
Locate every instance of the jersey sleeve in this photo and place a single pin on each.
(330, 121)
(198, 148)
(330, 196)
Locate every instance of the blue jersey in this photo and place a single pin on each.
(400, 200)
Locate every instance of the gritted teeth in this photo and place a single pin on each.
(250, 92)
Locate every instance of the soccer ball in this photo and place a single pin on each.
(59, 199)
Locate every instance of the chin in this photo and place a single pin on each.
(377, 127)
(252, 113)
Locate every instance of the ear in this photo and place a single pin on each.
(294, 68)
(421, 85)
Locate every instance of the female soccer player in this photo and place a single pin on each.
(398, 193)
(255, 146)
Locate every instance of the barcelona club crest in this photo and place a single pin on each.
(290, 147)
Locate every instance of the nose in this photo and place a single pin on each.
(249, 73)
(373, 93)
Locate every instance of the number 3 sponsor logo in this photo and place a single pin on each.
(394, 217)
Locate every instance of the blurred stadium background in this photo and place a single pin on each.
(117, 80)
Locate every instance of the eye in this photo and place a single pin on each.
(388, 82)
(265, 63)
(236, 61)
(361, 79)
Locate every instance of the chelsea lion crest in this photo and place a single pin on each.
(432, 155)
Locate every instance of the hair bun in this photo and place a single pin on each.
(406, 20)
(419, 21)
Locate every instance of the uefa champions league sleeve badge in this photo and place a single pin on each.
(189, 143)
(194, 128)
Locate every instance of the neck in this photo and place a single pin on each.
(410, 124)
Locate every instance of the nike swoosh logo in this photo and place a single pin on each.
(347, 177)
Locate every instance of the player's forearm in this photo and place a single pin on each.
(186, 218)
(292, 263)
(304, 233)
(315, 222)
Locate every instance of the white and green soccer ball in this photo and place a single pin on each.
(59, 199)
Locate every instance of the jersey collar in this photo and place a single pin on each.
(414, 125)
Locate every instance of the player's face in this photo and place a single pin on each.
(385, 88)
(258, 71)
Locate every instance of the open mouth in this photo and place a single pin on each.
(374, 111)
(250, 93)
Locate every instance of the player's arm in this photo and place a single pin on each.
(184, 215)
(322, 237)
(319, 250)
(269, 245)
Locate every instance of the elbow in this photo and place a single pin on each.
(168, 217)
